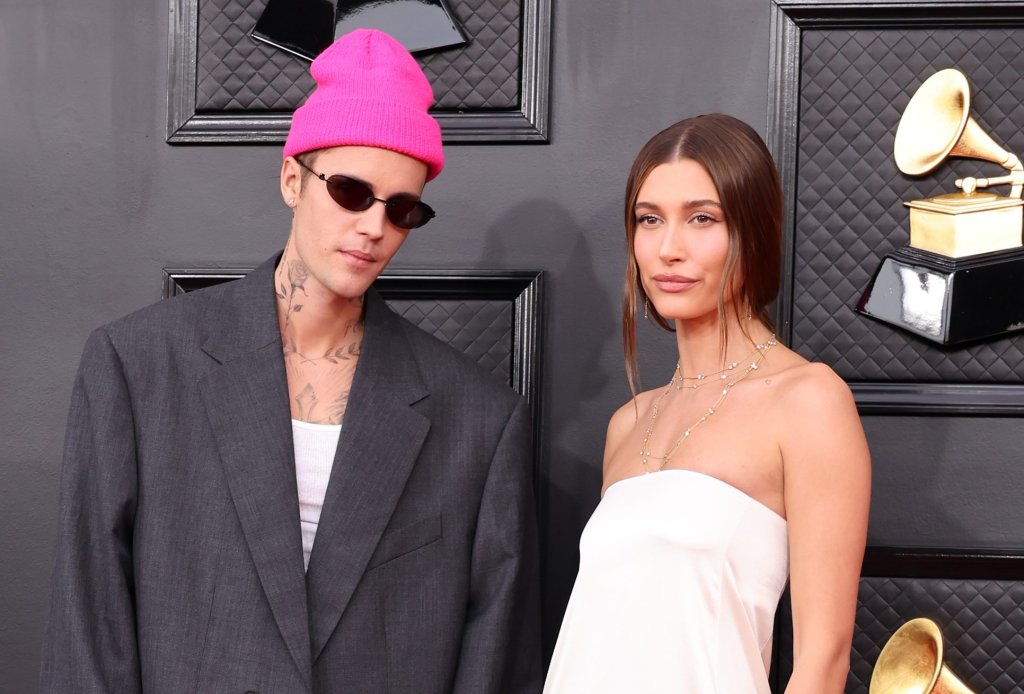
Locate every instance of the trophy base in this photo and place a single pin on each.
(956, 225)
(948, 300)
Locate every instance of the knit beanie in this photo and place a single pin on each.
(369, 91)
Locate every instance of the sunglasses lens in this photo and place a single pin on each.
(408, 213)
(353, 195)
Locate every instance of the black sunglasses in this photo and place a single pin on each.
(403, 210)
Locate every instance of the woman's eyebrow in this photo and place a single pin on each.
(687, 205)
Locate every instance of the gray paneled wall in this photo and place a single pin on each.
(95, 203)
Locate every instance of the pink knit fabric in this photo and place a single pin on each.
(369, 91)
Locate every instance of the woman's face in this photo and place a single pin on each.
(681, 241)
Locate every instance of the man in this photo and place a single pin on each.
(278, 485)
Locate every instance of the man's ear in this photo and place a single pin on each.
(291, 181)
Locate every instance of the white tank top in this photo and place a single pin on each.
(680, 574)
(315, 445)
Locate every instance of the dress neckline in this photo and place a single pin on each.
(704, 476)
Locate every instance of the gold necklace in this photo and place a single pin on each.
(678, 379)
(645, 451)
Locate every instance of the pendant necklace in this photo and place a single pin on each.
(648, 460)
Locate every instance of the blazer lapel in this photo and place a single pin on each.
(246, 400)
(380, 440)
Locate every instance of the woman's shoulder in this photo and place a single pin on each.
(625, 418)
(627, 415)
(815, 385)
(812, 401)
(807, 385)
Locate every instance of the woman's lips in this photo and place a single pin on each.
(674, 283)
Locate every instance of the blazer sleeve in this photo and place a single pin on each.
(501, 642)
(89, 643)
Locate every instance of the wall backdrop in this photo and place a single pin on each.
(95, 203)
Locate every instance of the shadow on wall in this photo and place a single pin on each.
(933, 478)
(580, 325)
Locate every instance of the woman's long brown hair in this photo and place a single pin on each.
(747, 182)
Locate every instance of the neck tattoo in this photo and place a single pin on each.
(654, 463)
(320, 355)
(297, 274)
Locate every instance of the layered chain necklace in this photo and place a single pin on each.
(678, 382)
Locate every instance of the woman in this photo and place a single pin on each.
(763, 471)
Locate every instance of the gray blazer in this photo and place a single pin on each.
(179, 557)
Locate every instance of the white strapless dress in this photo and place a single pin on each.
(680, 574)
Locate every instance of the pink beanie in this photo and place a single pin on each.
(369, 91)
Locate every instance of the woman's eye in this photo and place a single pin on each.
(703, 218)
(646, 220)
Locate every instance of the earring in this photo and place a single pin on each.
(291, 202)
(748, 313)
(646, 306)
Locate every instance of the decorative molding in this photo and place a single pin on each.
(523, 288)
(788, 21)
(178, 281)
(896, 562)
(527, 123)
(950, 399)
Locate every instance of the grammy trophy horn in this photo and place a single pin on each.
(937, 123)
(911, 663)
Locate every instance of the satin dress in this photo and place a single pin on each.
(680, 576)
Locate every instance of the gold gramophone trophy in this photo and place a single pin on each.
(961, 277)
(911, 663)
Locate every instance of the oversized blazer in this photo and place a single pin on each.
(179, 556)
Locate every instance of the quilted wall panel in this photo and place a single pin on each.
(854, 85)
(982, 623)
(482, 330)
(234, 73)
